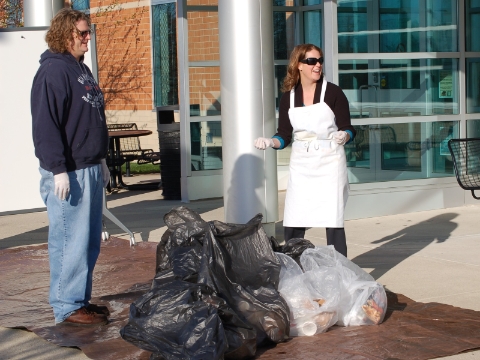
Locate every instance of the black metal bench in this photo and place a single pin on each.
(466, 160)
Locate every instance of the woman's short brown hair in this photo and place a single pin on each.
(60, 35)
(293, 74)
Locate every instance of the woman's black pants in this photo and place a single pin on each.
(335, 237)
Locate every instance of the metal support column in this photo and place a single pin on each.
(248, 110)
(40, 12)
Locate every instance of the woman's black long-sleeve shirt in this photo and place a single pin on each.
(334, 98)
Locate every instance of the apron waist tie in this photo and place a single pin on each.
(316, 145)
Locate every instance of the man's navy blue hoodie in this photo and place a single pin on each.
(68, 115)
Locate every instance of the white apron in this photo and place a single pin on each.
(318, 186)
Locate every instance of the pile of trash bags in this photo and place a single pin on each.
(222, 290)
(214, 295)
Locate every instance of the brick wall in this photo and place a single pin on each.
(124, 62)
(124, 54)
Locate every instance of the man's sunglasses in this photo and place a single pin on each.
(312, 61)
(83, 34)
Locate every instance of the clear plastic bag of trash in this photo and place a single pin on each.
(362, 301)
(367, 306)
(310, 313)
(323, 288)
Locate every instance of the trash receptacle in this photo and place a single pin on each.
(169, 141)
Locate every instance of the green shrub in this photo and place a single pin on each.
(141, 169)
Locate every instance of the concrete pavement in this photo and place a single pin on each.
(431, 256)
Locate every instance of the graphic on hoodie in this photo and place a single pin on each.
(94, 96)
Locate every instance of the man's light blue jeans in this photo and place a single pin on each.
(74, 238)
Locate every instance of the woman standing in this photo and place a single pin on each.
(317, 114)
(71, 142)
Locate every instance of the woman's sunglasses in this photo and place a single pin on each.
(83, 34)
(312, 61)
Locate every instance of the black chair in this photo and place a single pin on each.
(131, 150)
(466, 161)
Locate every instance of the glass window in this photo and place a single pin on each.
(401, 151)
(283, 2)
(402, 87)
(473, 128)
(393, 19)
(205, 91)
(473, 85)
(352, 26)
(80, 4)
(312, 2)
(389, 26)
(165, 68)
(442, 132)
(280, 73)
(442, 25)
(358, 151)
(472, 24)
(283, 34)
(203, 42)
(312, 27)
(206, 145)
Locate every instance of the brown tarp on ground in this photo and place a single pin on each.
(411, 330)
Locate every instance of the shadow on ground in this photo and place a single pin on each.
(401, 245)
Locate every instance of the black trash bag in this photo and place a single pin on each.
(176, 320)
(295, 247)
(245, 272)
(240, 335)
(276, 247)
(237, 261)
(181, 246)
(239, 269)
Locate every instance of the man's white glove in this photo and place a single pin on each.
(262, 143)
(62, 185)
(105, 173)
(341, 137)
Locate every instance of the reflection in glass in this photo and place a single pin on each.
(206, 145)
(80, 4)
(284, 2)
(473, 85)
(352, 26)
(358, 151)
(472, 25)
(165, 68)
(312, 23)
(400, 151)
(280, 73)
(442, 132)
(203, 43)
(205, 91)
(473, 128)
(400, 87)
(397, 26)
(283, 34)
(400, 146)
